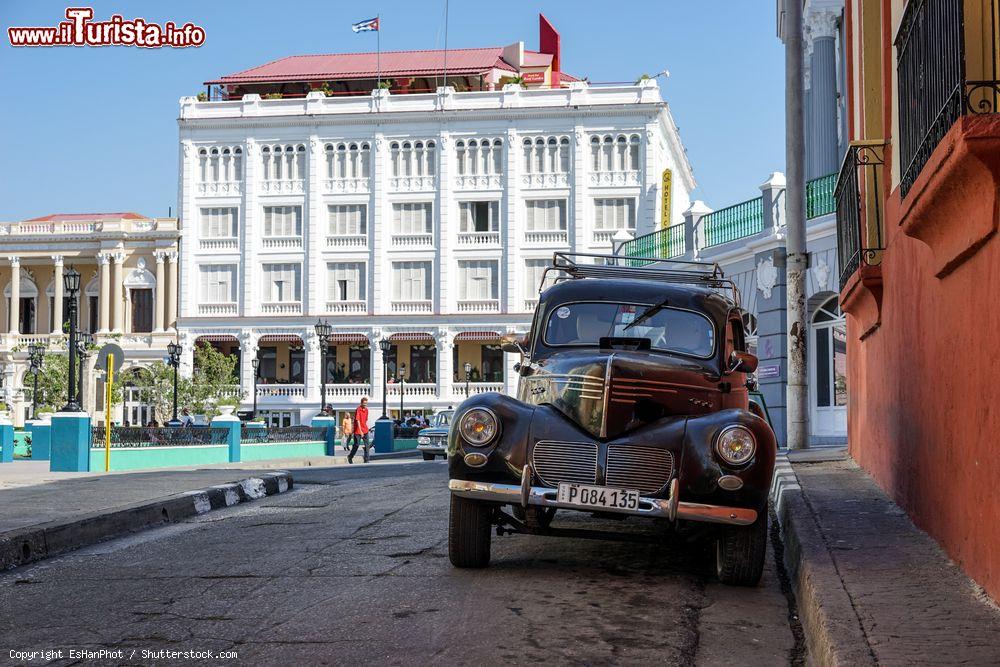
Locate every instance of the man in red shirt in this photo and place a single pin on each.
(360, 431)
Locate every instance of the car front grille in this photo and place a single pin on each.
(556, 462)
(645, 468)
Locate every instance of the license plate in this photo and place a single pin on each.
(598, 496)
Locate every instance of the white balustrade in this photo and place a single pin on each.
(335, 186)
(233, 390)
(530, 305)
(294, 186)
(412, 306)
(479, 306)
(48, 228)
(281, 390)
(348, 390)
(413, 240)
(605, 236)
(347, 241)
(614, 178)
(478, 238)
(346, 307)
(219, 244)
(221, 189)
(479, 181)
(540, 181)
(282, 242)
(217, 309)
(413, 183)
(546, 237)
(458, 388)
(426, 389)
(283, 308)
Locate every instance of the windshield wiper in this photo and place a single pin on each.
(646, 314)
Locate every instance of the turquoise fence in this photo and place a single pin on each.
(733, 222)
(819, 196)
(662, 244)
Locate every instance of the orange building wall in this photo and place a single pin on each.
(924, 412)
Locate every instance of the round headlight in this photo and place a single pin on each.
(736, 445)
(478, 426)
(423, 440)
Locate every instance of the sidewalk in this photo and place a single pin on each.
(871, 588)
(44, 513)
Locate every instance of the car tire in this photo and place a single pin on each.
(740, 552)
(469, 528)
(428, 456)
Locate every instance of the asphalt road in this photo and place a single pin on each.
(352, 568)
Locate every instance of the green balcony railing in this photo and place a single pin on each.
(819, 196)
(663, 244)
(733, 222)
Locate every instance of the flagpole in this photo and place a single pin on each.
(446, 43)
(378, 57)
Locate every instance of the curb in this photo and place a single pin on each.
(832, 629)
(34, 543)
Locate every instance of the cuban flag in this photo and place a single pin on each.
(366, 26)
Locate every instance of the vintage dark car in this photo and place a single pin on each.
(632, 402)
(433, 440)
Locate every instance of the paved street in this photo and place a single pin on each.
(352, 567)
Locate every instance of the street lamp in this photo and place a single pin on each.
(84, 340)
(71, 285)
(323, 331)
(383, 346)
(174, 359)
(256, 374)
(402, 388)
(36, 356)
(468, 375)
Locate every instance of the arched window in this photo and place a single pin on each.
(829, 333)
(750, 332)
(595, 153)
(220, 164)
(634, 153)
(284, 163)
(615, 153)
(412, 158)
(460, 157)
(564, 155)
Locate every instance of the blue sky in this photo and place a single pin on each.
(94, 129)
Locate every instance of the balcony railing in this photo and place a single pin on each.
(479, 181)
(859, 215)
(458, 388)
(478, 238)
(282, 187)
(412, 306)
(614, 178)
(479, 306)
(412, 183)
(219, 244)
(428, 389)
(733, 222)
(546, 237)
(348, 390)
(412, 240)
(606, 236)
(281, 390)
(345, 185)
(217, 308)
(554, 180)
(347, 241)
(932, 70)
(281, 308)
(819, 196)
(346, 307)
(221, 189)
(663, 243)
(282, 242)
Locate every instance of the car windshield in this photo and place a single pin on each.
(443, 418)
(670, 329)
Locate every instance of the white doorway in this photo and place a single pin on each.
(828, 371)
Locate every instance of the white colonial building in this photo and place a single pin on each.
(128, 267)
(424, 218)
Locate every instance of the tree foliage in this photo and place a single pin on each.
(202, 393)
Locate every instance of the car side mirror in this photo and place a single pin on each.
(513, 344)
(742, 362)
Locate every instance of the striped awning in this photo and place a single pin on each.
(281, 338)
(216, 338)
(478, 336)
(411, 337)
(347, 338)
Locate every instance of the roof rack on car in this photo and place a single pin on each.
(574, 265)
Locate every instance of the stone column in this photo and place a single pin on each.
(248, 352)
(117, 292)
(772, 346)
(104, 301)
(511, 276)
(822, 139)
(693, 233)
(172, 289)
(57, 289)
(375, 400)
(444, 295)
(313, 364)
(445, 347)
(15, 293)
(159, 307)
(379, 229)
(576, 225)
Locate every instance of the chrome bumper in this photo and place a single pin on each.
(671, 508)
(437, 449)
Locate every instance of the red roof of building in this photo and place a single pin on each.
(365, 66)
(67, 217)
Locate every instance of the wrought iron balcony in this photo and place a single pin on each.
(859, 196)
(932, 69)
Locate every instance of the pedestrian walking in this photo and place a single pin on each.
(347, 430)
(360, 431)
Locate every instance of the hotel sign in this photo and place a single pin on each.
(665, 219)
(533, 77)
